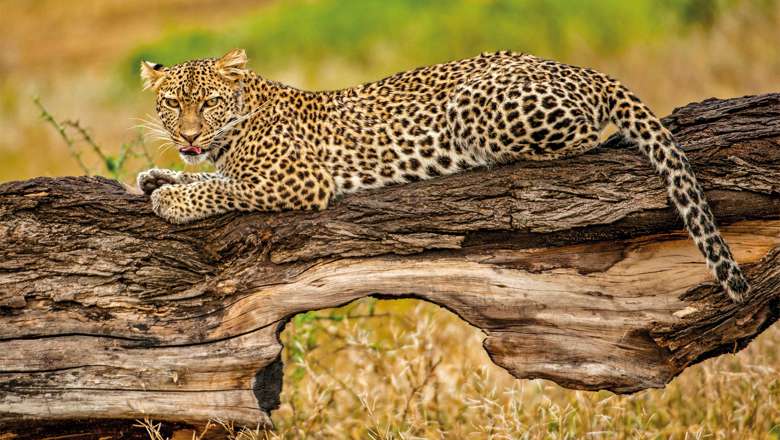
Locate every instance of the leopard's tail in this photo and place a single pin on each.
(636, 122)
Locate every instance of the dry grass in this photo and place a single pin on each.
(408, 369)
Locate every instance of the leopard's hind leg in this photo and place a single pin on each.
(526, 121)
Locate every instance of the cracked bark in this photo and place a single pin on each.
(577, 271)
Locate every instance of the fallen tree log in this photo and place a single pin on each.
(577, 271)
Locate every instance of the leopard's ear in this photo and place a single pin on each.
(152, 74)
(232, 65)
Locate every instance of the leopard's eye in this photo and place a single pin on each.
(211, 102)
(170, 102)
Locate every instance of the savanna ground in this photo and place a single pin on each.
(398, 369)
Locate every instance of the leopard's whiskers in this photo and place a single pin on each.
(152, 126)
(165, 146)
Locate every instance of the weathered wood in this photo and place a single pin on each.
(577, 270)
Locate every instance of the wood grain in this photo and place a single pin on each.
(576, 270)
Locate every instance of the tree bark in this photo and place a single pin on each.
(578, 271)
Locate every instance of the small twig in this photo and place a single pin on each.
(151, 429)
(420, 386)
(333, 377)
(76, 125)
(63, 134)
(341, 318)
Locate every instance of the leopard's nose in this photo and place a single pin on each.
(190, 136)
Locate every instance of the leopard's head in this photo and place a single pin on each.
(198, 101)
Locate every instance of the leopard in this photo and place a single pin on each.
(276, 147)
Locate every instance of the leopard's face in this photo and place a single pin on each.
(198, 102)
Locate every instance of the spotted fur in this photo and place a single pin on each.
(277, 148)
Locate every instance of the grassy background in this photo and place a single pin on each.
(376, 37)
(81, 56)
(404, 370)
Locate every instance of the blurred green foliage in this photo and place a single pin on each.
(398, 33)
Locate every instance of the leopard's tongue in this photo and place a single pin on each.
(191, 150)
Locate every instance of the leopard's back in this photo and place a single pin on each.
(449, 117)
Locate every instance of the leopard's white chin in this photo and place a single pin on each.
(191, 159)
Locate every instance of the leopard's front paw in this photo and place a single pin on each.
(171, 203)
(150, 180)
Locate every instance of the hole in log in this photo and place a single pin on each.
(384, 352)
(410, 365)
